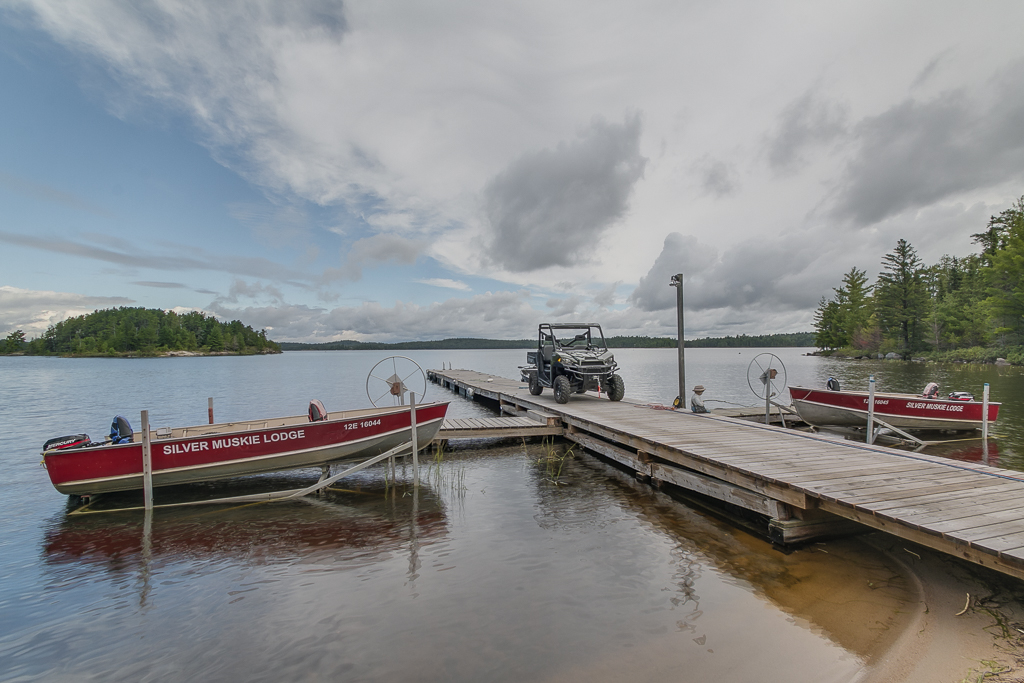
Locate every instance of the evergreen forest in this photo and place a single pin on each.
(614, 342)
(141, 332)
(968, 308)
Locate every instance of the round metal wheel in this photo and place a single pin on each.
(391, 380)
(562, 389)
(766, 375)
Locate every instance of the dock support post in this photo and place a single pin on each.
(209, 408)
(984, 421)
(677, 282)
(147, 463)
(871, 409)
(415, 441)
(768, 397)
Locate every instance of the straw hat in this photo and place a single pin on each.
(698, 389)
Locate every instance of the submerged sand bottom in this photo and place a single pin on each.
(966, 626)
(902, 613)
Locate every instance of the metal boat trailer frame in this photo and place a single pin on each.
(271, 496)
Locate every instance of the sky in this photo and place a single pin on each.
(392, 171)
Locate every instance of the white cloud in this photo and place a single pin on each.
(34, 311)
(762, 149)
(498, 315)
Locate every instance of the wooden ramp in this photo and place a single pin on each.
(491, 427)
(804, 483)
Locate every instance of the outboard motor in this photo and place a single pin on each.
(832, 384)
(120, 430)
(317, 412)
(64, 443)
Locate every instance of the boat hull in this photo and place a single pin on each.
(211, 452)
(905, 411)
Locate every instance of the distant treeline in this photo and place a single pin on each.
(746, 341)
(754, 341)
(457, 343)
(141, 331)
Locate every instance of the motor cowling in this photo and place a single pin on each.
(64, 443)
(120, 430)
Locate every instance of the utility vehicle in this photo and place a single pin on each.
(572, 358)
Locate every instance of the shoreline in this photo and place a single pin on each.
(161, 354)
(997, 361)
(967, 624)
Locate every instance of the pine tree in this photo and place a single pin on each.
(901, 298)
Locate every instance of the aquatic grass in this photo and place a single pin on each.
(444, 475)
(553, 461)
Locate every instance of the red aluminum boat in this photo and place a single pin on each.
(217, 451)
(905, 411)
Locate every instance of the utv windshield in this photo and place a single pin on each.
(567, 336)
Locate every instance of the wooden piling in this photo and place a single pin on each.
(147, 463)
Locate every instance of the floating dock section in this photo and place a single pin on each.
(807, 486)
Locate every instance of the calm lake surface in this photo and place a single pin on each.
(489, 572)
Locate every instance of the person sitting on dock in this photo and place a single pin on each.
(696, 402)
(931, 391)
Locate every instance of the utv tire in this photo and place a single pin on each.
(562, 389)
(535, 387)
(616, 388)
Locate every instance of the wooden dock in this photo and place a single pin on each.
(806, 485)
(496, 427)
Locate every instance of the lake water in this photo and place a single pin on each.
(490, 571)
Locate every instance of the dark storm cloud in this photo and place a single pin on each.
(717, 178)
(750, 274)
(918, 153)
(680, 254)
(930, 69)
(550, 208)
(805, 123)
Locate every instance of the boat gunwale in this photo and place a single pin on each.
(884, 394)
(265, 424)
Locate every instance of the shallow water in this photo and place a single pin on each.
(491, 571)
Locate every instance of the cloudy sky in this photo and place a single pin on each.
(396, 170)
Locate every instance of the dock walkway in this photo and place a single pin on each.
(478, 428)
(804, 483)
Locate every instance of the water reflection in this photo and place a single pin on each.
(849, 594)
(359, 524)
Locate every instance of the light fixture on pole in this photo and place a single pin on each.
(677, 282)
